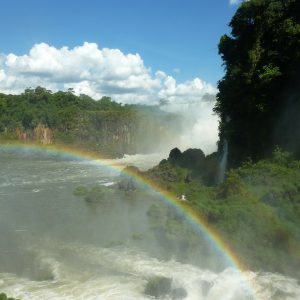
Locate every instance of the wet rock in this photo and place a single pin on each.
(270, 199)
(179, 293)
(188, 178)
(205, 287)
(127, 182)
(95, 195)
(4, 297)
(279, 295)
(159, 287)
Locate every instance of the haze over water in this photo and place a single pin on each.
(55, 245)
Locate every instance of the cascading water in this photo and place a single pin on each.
(223, 162)
(55, 245)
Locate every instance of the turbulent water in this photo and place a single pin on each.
(54, 245)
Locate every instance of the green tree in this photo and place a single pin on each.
(259, 96)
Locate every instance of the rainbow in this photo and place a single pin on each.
(195, 219)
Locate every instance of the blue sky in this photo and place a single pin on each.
(179, 37)
(134, 51)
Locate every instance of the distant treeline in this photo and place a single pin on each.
(54, 110)
(105, 126)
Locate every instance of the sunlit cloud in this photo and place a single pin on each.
(96, 72)
(234, 2)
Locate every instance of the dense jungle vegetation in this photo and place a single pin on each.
(259, 97)
(257, 207)
(104, 126)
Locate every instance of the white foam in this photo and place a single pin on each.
(108, 183)
(122, 273)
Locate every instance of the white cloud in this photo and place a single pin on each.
(98, 72)
(234, 2)
(95, 72)
(103, 71)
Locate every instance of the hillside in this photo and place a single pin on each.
(103, 126)
(256, 209)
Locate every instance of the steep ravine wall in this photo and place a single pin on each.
(40, 134)
(111, 134)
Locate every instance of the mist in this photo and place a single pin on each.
(52, 239)
(199, 124)
(182, 124)
(60, 245)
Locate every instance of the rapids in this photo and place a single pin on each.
(55, 245)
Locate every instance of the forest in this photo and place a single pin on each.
(105, 127)
(258, 100)
(256, 208)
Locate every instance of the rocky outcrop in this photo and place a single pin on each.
(161, 287)
(127, 182)
(43, 134)
(158, 287)
(40, 134)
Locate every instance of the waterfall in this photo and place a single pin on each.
(223, 162)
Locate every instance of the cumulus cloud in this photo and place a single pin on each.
(236, 2)
(98, 72)
(86, 68)
(92, 71)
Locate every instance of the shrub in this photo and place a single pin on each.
(80, 191)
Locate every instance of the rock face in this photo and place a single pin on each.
(179, 294)
(40, 134)
(43, 134)
(103, 126)
(127, 182)
(160, 287)
(111, 134)
(106, 132)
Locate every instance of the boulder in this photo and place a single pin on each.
(95, 195)
(158, 287)
(127, 182)
(179, 293)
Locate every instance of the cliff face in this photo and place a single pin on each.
(109, 133)
(40, 134)
(102, 126)
(118, 133)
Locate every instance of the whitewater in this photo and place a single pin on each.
(55, 245)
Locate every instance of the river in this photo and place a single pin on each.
(55, 245)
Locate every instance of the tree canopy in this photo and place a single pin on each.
(55, 110)
(259, 96)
